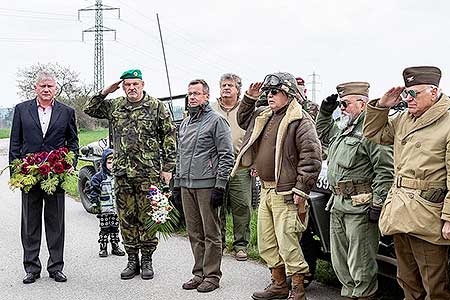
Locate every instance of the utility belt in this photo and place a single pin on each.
(433, 191)
(349, 188)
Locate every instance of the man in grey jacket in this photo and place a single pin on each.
(204, 162)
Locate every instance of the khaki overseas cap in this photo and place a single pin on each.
(422, 75)
(353, 88)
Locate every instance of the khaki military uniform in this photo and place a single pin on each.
(419, 201)
(360, 175)
(144, 141)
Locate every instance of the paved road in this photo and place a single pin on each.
(91, 277)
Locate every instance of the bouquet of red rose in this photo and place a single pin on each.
(49, 169)
(164, 216)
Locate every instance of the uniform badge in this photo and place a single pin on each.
(409, 79)
(135, 73)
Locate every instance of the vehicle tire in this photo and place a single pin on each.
(84, 182)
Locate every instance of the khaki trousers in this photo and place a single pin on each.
(279, 228)
(203, 227)
(421, 268)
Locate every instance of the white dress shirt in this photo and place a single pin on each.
(44, 116)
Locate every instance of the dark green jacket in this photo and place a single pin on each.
(353, 157)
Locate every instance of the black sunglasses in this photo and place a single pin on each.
(345, 103)
(272, 91)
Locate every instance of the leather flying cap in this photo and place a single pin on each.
(353, 88)
(134, 73)
(421, 75)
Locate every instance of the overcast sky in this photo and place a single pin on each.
(341, 41)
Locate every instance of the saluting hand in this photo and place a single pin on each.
(446, 230)
(112, 88)
(255, 90)
(391, 98)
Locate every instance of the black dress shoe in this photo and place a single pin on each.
(31, 277)
(58, 276)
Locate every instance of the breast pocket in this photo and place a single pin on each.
(348, 151)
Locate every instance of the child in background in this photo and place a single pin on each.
(102, 195)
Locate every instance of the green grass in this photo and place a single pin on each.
(85, 138)
(4, 133)
(252, 246)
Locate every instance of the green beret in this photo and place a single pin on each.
(421, 75)
(353, 88)
(134, 73)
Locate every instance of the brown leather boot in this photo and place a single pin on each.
(298, 290)
(278, 289)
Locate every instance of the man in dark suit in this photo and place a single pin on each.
(42, 124)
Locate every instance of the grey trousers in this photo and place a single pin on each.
(203, 227)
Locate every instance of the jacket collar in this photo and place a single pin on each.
(56, 112)
(435, 112)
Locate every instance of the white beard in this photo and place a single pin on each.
(344, 121)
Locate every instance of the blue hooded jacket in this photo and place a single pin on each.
(102, 186)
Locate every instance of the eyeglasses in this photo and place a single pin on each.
(346, 103)
(411, 93)
(195, 94)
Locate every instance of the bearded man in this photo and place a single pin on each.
(360, 174)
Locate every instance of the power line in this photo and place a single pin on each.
(98, 29)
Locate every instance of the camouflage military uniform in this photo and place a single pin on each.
(360, 174)
(144, 142)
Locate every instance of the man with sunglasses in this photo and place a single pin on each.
(281, 144)
(417, 209)
(360, 175)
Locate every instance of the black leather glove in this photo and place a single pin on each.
(176, 197)
(217, 196)
(330, 103)
(374, 214)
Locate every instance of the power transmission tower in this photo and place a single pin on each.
(314, 83)
(99, 60)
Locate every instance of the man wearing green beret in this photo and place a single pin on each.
(144, 154)
(360, 173)
(417, 209)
